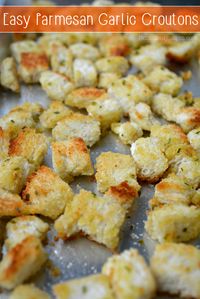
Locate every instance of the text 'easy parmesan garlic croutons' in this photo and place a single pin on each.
(176, 269)
(99, 218)
(90, 287)
(71, 158)
(130, 276)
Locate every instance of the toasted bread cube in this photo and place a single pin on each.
(114, 45)
(114, 169)
(84, 51)
(143, 116)
(84, 96)
(10, 204)
(149, 158)
(48, 44)
(55, 85)
(85, 73)
(55, 112)
(21, 227)
(20, 47)
(71, 158)
(4, 144)
(78, 125)
(30, 145)
(196, 102)
(128, 132)
(21, 262)
(196, 198)
(172, 190)
(13, 173)
(106, 112)
(173, 222)
(176, 269)
(167, 106)
(194, 139)
(31, 66)
(187, 167)
(28, 291)
(107, 79)
(129, 275)
(130, 91)
(99, 218)
(188, 118)
(115, 64)
(93, 286)
(9, 77)
(62, 61)
(46, 194)
(160, 79)
(147, 57)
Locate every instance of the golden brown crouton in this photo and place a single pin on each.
(188, 118)
(30, 145)
(113, 64)
(4, 144)
(10, 204)
(128, 132)
(84, 72)
(46, 194)
(90, 287)
(82, 97)
(173, 222)
(107, 79)
(31, 66)
(24, 46)
(114, 45)
(194, 139)
(129, 275)
(9, 77)
(78, 125)
(21, 262)
(62, 61)
(28, 291)
(99, 218)
(84, 51)
(176, 269)
(71, 158)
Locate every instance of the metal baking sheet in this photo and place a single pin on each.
(81, 257)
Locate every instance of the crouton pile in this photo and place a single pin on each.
(121, 84)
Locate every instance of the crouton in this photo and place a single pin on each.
(85, 73)
(114, 45)
(4, 144)
(55, 85)
(54, 113)
(173, 222)
(113, 64)
(148, 56)
(106, 112)
(84, 51)
(78, 125)
(21, 262)
(114, 169)
(176, 269)
(93, 286)
(31, 66)
(10, 204)
(84, 96)
(128, 132)
(26, 46)
(129, 275)
(149, 158)
(107, 79)
(13, 173)
(71, 158)
(21, 227)
(172, 190)
(194, 139)
(188, 118)
(9, 77)
(99, 218)
(130, 91)
(46, 194)
(143, 116)
(28, 291)
(62, 61)
(167, 106)
(160, 79)
(30, 145)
